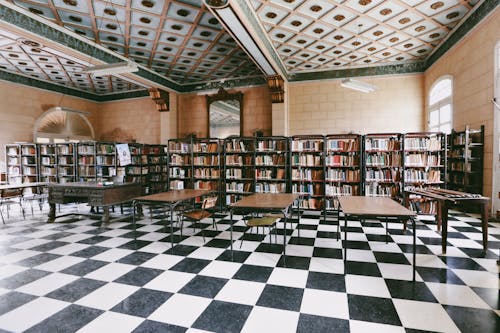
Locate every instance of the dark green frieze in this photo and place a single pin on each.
(227, 84)
(250, 16)
(477, 16)
(363, 71)
(122, 96)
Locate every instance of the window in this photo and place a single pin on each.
(440, 106)
(58, 125)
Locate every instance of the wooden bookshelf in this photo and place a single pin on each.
(180, 167)
(106, 161)
(157, 176)
(466, 160)
(424, 166)
(86, 161)
(271, 164)
(66, 162)
(239, 168)
(383, 164)
(48, 162)
(342, 167)
(30, 167)
(307, 167)
(137, 171)
(207, 166)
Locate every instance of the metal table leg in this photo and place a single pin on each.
(133, 222)
(231, 231)
(414, 247)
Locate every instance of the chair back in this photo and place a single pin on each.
(209, 202)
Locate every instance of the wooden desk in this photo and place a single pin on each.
(96, 195)
(170, 199)
(446, 199)
(378, 208)
(265, 202)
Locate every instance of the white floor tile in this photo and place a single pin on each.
(208, 253)
(162, 261)
(46, 284)
(356, 326)
(112, 255)
(360, 255)
(398, 272)
(270, 320)
(366, 285)
(30, 243)
(221, 269)
(326, 265)
(110, 272)
(247, 246)
(424, 316)
(450, 251)
(107, 296)
(330, 243)
(76, 237)
(488, 264)
(9, 270)
(263, 259)
(325, 303)
(299, 250)
(30, 314)
(115, 232)
(242, 292)
(288, 277)
(464, 243)
(60, 263)
(112, 321)
(385, 247)
(171, 281)
(478, 278)
(452, 294)
(114, 242)
(69, 249)
(181, 310)
(156, 247)
(426, 260)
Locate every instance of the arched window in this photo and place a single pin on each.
(440, 106)
(62, 124)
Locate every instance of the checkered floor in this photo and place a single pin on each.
(74, 275)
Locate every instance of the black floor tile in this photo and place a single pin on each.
(420, 249)
(38, 259)
(20, 279)
(57, 235)
(355, 244)
(279, 297)
(204, 286)
(136, 258)
(253, 273)
(362, 268)
(461, 263)
(416, 291)
(327, 234)
(219, 243)
(440, 275)
(75, 290)
(139, 276)
(326, 281)
(48, 246)
(373, 309)
(84, 267)
(134, 245)
(95, 240)
(490, 295)
(149, 326)
(235, 256)
(223, 317)
(431, 240)
(474, 320)
(142, 303)
(190, 265)
(69, 319)
(391, 258)
(323, 252)
(479, 253)
(12, 300)
(90, 251)
(317, 324)
(270, 248)
(294, 262)
(301, 241)
(176, 239)
(181, 250)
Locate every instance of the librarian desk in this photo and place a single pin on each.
(170, 199)
(266, 203)
(448, 198)
(93, 193)
(381, 208)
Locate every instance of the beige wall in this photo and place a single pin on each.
(324, 107)
(471, 65)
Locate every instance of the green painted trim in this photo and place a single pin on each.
(363, 71)
(475, 18)
(227, 84)
(122, 96)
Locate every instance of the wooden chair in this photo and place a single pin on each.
(267, 220)
(200, 214)
(11, 197)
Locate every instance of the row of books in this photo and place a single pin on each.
(420, 176)
(205, 147)
(342, 160)
(309, 189)
(276, 160)
(343, 145)
(383, 159)
(306, 160)
(374, 189)
(235, 146)
(86, 160)
(423, 143)
(238, 160)
(178, 147)
(307, 145)
(48, 160)
(176, 159)
(271, 145)
(238, 187)
(340, 190)
(382, 144)
(206, 173)
(343, 175)
(105, 159)
(44, 171)
(206, 160)
(422, 159)
(157, 168)
(28, 160)
(234, 173)
(270, 187)
(105, 148)
(269, 173)
(28, 150)
(387, 175)
(67, 160)
(86, 171)
(47, 150)
(86, 149)
(206, 185)
(106, 171)
(307, 174)
(178, 173)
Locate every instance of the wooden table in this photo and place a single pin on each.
(446, 199)
(93, 193)
(377, 208)
(170, 199)
(23, 185)
(265, 202)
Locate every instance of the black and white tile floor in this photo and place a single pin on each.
(75, 276)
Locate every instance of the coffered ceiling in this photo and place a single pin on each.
(181, 45)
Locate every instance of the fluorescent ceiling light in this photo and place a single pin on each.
(358, 85)
(66, 109)
(114, 68)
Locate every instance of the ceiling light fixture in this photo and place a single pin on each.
(66, 109)
(111, 69)
(358, 85)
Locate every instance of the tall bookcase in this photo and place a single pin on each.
(424, 166)
(466, 160)
(66, 162)
(180, 166)
(30, 168)
(308, 170)
(343, 158)
(137, 171)
(48, 162)
(157, 167)
(86, 160)
(105, 161)
(239, 168)
(383, 164)
(13, 163)
(271, 164)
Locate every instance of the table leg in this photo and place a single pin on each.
(484, 224)
(231, 231)
(52, 213)
(345, 238)
(444, 226)
(284, 244)
(414, 222)
(439, 220)
(105, 215)
(172, 227)
(133, 222)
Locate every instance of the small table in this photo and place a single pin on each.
(93, 193)
(376, 207)
(448, 198)
(170, 199)
(264, 202)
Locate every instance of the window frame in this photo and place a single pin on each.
(437, 106)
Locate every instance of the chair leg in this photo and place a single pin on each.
(1, 214)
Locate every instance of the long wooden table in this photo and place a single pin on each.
(377, 208)
(23, 185)
(448, 198)
(93, 193)
(170, 199)
(264, 202)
